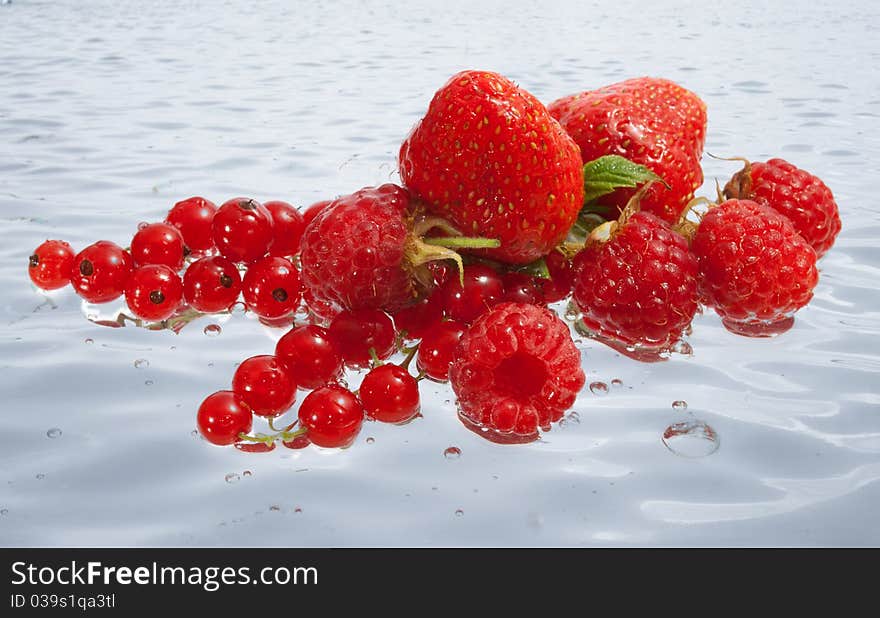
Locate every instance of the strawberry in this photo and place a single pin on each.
(650, 121)
(636, 282)
(514, 371)
(799, 195)
(754, 268)
(488, 157)
(367, 250)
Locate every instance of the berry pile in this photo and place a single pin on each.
(507, 210)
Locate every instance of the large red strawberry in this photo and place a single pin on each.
(367, 250)
(636, 282)
(650, 121)
(799, 195)
(755, 269)
(488, 157)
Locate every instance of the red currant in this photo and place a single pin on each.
(222, 417)
(264, 385)
(194, 218)
(49, 266)
(390, 394)
(211, 284)
(332, 415)
(314, 210)
(242, 230)
(158, 243)
(413, 321)
(483, 288)
(310, 356)
(437, 349)
(100, 271)
(521, 288)
(356, 332)
(153, 292)
(287, 228)
(272, 287)
(561, 280)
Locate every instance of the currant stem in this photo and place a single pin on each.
(377, 362)
(410, 354)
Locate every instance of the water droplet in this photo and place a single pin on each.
(211, 364)
(692, 438)
(194, 433)
(298, 510)
(89, 340)
(680, 405)
(149, 382)
(598, 388)
(40, 476)
(616, 382)
(54, 433)
(683, 348)
(247, 473)
(141, 363)
(212, 330)
(232, 477)
(573, 418)
(459, 512)
(495, 477)
(370, 440)
(434, 488)
(453, 452)
(4, 511)
(142, 225)
(275, 508)
(237, 309)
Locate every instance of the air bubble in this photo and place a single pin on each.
(459, 512)
(40, 476)
(598, 388)
(298, 510)
(692, 438)
(89, 341)
(247, 473)
(212, 330)
(453, 452)
(680, 405)
(4, 512)
(141, 363)
(149, 382)
(616, 383)
(53, 433)
(275, 508)
(232, 477)
(370, 440)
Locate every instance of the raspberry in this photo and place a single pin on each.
(366, 250)
(515, 370)
(802, 197)
(755, 269)
(638, 287)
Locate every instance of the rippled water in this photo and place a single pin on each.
(112, 111)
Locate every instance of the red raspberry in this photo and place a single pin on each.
(100, 271)
(49, 265)
(242, 230)
(638, 287)
(193, 217)
(515, 370)
(795, 193)
(366, 250)
(755, 269)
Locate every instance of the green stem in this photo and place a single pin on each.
(463, 242)
(410, 354)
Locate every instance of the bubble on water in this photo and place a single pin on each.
(247, 473)
(535, 520)
(54, 432)
(434, 488)
(195, 433)
(142, 225)
(211, 364)
(693, 438)
(232, 477)
(4, 512)
(453, 452)
(40, 476)
(370, 440)
(141, 363)
(237, 308)
(149, 382)
(495, 477)
(616, 382)
(89, 341)
(459, 512)
(683, 348)
(298, 509)
(573, 418)
(212, 330)
(275, 508)
(598, 388)
(680, 405)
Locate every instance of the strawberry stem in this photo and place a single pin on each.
(463, 242)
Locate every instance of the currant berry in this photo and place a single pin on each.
(314, 210)
(287, 228)
(437, 349)
(561, 281)
(153, 292)
(264, 385)
(521, 288)
(100, 271)
(158, 243)
(356, 332)
(272, 287)
(483, 289)
(242, 230)
(49, 265)
(412, 322)
(390, 394)
(194, 218)
(211, 284)
(332, 415)
(310, 356)
(222, 417)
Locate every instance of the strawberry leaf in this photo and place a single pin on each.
(605, 174)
